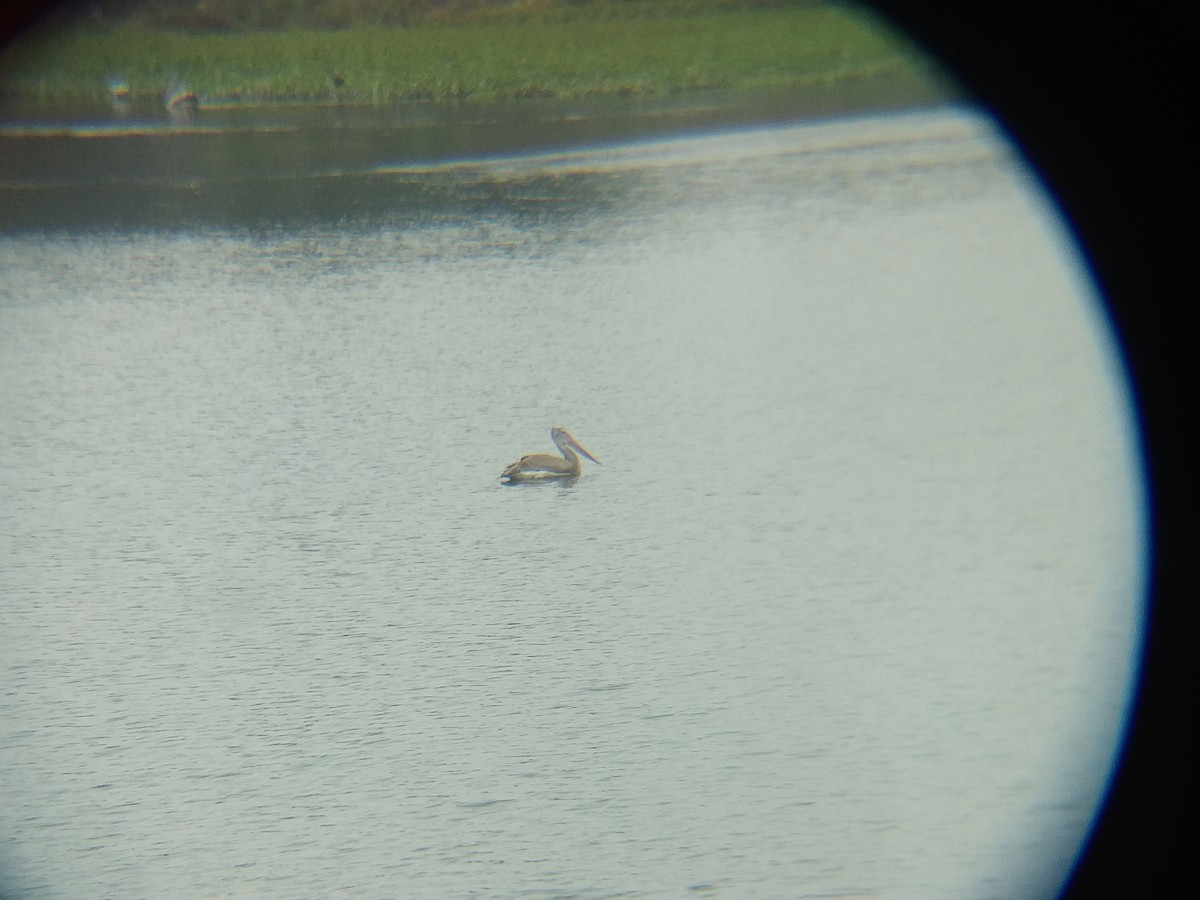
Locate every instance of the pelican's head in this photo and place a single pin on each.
(563, 438)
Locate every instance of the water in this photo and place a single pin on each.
(138, 167)
(850, 609)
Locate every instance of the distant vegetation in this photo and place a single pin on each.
(243, 15)
(374, 51)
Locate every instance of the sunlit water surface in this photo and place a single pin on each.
(850, 609)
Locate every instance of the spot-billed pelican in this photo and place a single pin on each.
(546, 465)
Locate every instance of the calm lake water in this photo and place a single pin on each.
(851, 608)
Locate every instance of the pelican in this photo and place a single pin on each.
(546, 465)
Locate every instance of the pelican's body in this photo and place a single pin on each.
(547, 465)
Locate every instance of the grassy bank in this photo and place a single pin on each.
(556, 49)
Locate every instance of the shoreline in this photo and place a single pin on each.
(716, 106)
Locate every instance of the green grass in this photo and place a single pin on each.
(559, 50)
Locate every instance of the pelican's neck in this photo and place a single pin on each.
(563, 443)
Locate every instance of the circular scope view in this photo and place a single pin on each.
(545, 449)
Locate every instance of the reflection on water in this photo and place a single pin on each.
(850, 609)
(280, 166)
